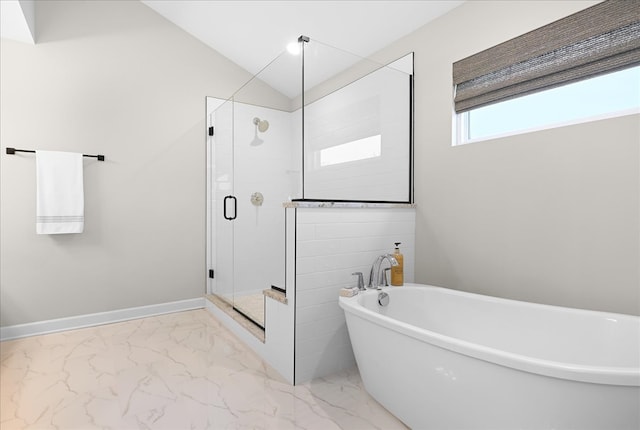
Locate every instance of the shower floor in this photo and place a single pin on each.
(251, 305)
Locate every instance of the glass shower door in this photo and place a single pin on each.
(222, 189)
(238, 278)
(251, 180)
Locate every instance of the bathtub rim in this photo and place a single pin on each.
(607, 375)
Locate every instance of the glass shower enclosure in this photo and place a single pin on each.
(316, 124)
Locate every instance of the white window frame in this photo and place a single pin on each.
(462, 123)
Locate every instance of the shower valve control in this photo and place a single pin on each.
(257, 199)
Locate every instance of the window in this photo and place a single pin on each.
(361, 149)
(582, 66)
(613, 94)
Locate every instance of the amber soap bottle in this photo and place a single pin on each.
(397, 272)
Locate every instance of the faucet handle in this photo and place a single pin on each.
(360, 280)
(385, 276)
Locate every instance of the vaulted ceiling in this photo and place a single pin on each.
(252, 33)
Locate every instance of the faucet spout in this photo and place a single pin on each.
(375, 276)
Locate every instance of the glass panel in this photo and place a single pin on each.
(361, 149)
(357, 130)
(222, 175)
(265, 172)
(351, 102)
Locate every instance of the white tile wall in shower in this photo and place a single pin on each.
(378, 104)
(258, 231)
(332, 243)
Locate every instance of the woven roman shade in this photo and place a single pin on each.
(601, 39)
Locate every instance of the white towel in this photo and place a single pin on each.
(59, 192)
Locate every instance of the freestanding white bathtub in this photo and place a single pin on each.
(444, 359)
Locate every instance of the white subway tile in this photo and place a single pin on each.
(318, 345)
(333, 278)
(315, 296)
(321, 327)
(332, 244)
(305, 232)
(317, 312)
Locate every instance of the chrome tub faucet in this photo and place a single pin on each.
(377, 277)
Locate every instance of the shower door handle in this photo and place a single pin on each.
(235, 208)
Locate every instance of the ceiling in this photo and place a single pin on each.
(17, 20)
(252, 33)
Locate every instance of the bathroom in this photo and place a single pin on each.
(546, 217)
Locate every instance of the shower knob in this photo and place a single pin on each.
(257, 199)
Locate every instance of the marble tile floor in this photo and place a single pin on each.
(176, 371)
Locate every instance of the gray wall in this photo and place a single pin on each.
(118, 79)
(550, 216)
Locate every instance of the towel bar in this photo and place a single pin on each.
(12, 151)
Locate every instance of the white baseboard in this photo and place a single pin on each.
(89, 320)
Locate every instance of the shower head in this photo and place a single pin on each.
(261, 125)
